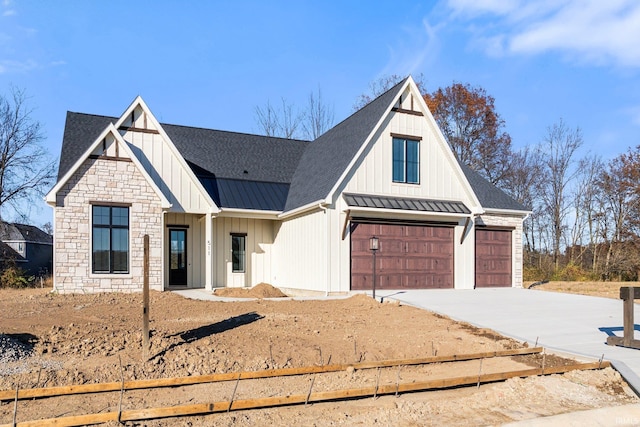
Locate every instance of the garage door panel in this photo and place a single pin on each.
(410, 256)
(493, 258)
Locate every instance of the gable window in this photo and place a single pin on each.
(238, 252)
(110, 240)
(406, 160)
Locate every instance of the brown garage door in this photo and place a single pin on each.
(493, 258)
(410, 256)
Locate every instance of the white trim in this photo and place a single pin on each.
(490, 211)
(110, 129)
(248, 213)
(195, 181)
(318, 204)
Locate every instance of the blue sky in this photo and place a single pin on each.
(209, 64)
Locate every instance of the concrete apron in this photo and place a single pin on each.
(577, 325)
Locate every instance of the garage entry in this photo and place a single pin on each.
(493, 258)
(411, 256)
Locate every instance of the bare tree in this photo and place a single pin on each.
(319, 116)
(558, 153)
(383, 84)
(26, 168)
(283, 122)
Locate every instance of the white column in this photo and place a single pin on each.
(208, 232)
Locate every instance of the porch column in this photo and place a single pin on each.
(208, 264)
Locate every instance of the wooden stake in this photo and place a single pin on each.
(544, 358)
(398, 380)
(121, 389)
(145, 301)
(233, 395)
(375, 393)
(313, 380)
(479, 373)
(600, 361)
(15, 406)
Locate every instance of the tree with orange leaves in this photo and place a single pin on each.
(469, 121)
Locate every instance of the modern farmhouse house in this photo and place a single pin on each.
(225, 209)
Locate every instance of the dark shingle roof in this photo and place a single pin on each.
(408, 204)
(23, 233)
(257, 172)
(80, 131)
(230, 154)
(488, 194)
(328, 156)
(259, 168)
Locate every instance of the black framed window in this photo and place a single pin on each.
(406, 161)
(110, 240)
(238, 252)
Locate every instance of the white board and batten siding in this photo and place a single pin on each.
(258, 251)
(166, 170)
(300, 252)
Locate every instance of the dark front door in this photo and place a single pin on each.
(177, 257)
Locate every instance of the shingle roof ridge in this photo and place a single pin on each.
(279, 138)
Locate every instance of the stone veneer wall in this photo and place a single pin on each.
(509, 221)
(105, 181)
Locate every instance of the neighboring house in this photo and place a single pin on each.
(226, 209)
(28, 246)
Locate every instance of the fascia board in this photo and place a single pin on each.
(172, 147)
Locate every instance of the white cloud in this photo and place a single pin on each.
(9, 12)
(601, 32)
(9, 66)
(418, 46)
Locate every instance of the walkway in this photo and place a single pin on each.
(561, 322)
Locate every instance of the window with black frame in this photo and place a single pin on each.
(406, 161)
(110, 239)
(238, 253)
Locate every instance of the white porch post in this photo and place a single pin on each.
(208, 232)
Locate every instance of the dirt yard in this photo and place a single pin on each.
(77, 339)
(595, 289)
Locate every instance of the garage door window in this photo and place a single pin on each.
(406, 161)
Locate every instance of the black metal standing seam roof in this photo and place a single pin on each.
(326, 158)
(488, 194)
(407, 204)
(240, 194)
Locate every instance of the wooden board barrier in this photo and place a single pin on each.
(267, 402)
(233, 376)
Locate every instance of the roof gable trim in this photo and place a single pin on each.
(111, 129)
(157, 128)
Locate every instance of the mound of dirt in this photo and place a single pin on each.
(261, 290)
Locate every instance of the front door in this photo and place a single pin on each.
(177, 257)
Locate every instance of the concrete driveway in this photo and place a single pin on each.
(562, 322)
